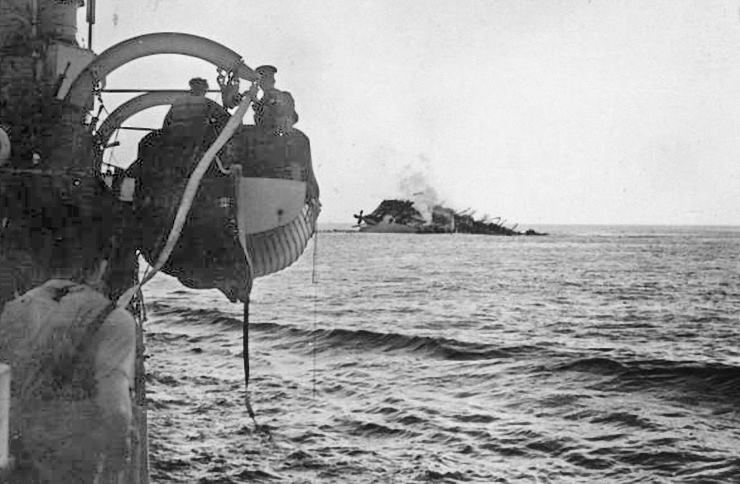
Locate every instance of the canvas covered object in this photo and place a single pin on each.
(72, 355)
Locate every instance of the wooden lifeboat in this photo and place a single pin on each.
(262, 196)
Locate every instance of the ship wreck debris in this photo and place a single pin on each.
(402, 216)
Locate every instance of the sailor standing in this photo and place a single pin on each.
(276, 110)
(194, 116)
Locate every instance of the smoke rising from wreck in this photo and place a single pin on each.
(417, 188)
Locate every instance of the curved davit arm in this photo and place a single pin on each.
(81, 89)
(131, 107)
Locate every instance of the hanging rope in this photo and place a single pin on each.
(186, 202)
(245, 358)
(236, 173)
(314, 282)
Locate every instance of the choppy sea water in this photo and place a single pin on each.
(595, 354)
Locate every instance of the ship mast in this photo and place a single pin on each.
(90, 17)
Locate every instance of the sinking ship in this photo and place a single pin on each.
(214, 204)
(403, 216)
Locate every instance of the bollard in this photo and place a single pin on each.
(4, 414)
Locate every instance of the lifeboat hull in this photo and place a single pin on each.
(271, 208)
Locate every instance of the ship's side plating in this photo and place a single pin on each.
(57, 212)
(56, 215)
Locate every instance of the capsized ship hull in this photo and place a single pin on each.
(385, 226)
(402, 216)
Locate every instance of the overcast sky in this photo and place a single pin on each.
(537, 111)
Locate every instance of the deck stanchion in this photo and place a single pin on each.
(4, 414)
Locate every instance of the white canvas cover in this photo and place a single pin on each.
(72, 356)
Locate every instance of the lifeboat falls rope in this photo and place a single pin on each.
(183, 209)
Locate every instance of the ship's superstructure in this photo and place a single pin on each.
(214, 208)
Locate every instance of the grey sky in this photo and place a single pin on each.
(540, 112)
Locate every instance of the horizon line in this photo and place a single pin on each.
(591, 224)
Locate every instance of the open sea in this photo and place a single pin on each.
(597, 354)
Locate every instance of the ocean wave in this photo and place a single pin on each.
(708, 378)
(592, 365)
(444, 348)
(332, 339)
(375, 429)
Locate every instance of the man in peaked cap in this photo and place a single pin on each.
(266, 70)
(188, 107)
(193, 118)
(276, 110)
